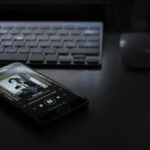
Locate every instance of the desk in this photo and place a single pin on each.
(117, 116)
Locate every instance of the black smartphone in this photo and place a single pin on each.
(36, 95)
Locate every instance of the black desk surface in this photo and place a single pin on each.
(117, 117)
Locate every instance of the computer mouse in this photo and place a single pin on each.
(135, 49)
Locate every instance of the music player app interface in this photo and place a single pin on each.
(33, 93)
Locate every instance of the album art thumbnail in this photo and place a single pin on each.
(22, 84)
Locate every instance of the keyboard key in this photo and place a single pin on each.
(7, 43)
(57, 44)
(55, 38)
(89, 51)
(3, 31)
(32, 44)
(38, 32)
(68, 38)
(57, 27)
(70, 44)
(24, 50)
(44, 27)
(51, 58)
(18, 37)
(31, 37)
(37, 50)
(13, 57)
(79, 56)
(63, 32)
(90, 60)
(63, 51)
(51, 32)
(90, 32)
(81, 38)
(11, 50)
(26, 31)
(6, 37)
(32, 27)
(94, 38)
(78, 60)
(50, 50)
(44, 44)
(43, 37)
(69, 27)
(1, 49)
(65, 60)
(20, 43)
(89, 44)
(14, 31)
(95, 27)
(22, 57)
(81, 27)
(75, 32)
(36, 58)
(20, 27)
(8, 27)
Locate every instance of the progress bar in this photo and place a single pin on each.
(41, 98)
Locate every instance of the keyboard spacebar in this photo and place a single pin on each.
(13, 57)
(91, 51)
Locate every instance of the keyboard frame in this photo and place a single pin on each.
(63, 23)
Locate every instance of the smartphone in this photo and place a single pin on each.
(36, 95)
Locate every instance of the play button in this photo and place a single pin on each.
(49, 101)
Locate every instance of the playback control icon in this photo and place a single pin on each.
(49, 101)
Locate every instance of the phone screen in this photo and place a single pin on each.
(32, 92)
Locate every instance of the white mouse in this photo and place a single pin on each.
(135, 49)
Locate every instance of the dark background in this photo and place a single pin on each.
(118, 15)
(119, 106)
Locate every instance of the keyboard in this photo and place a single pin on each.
(51, 43)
